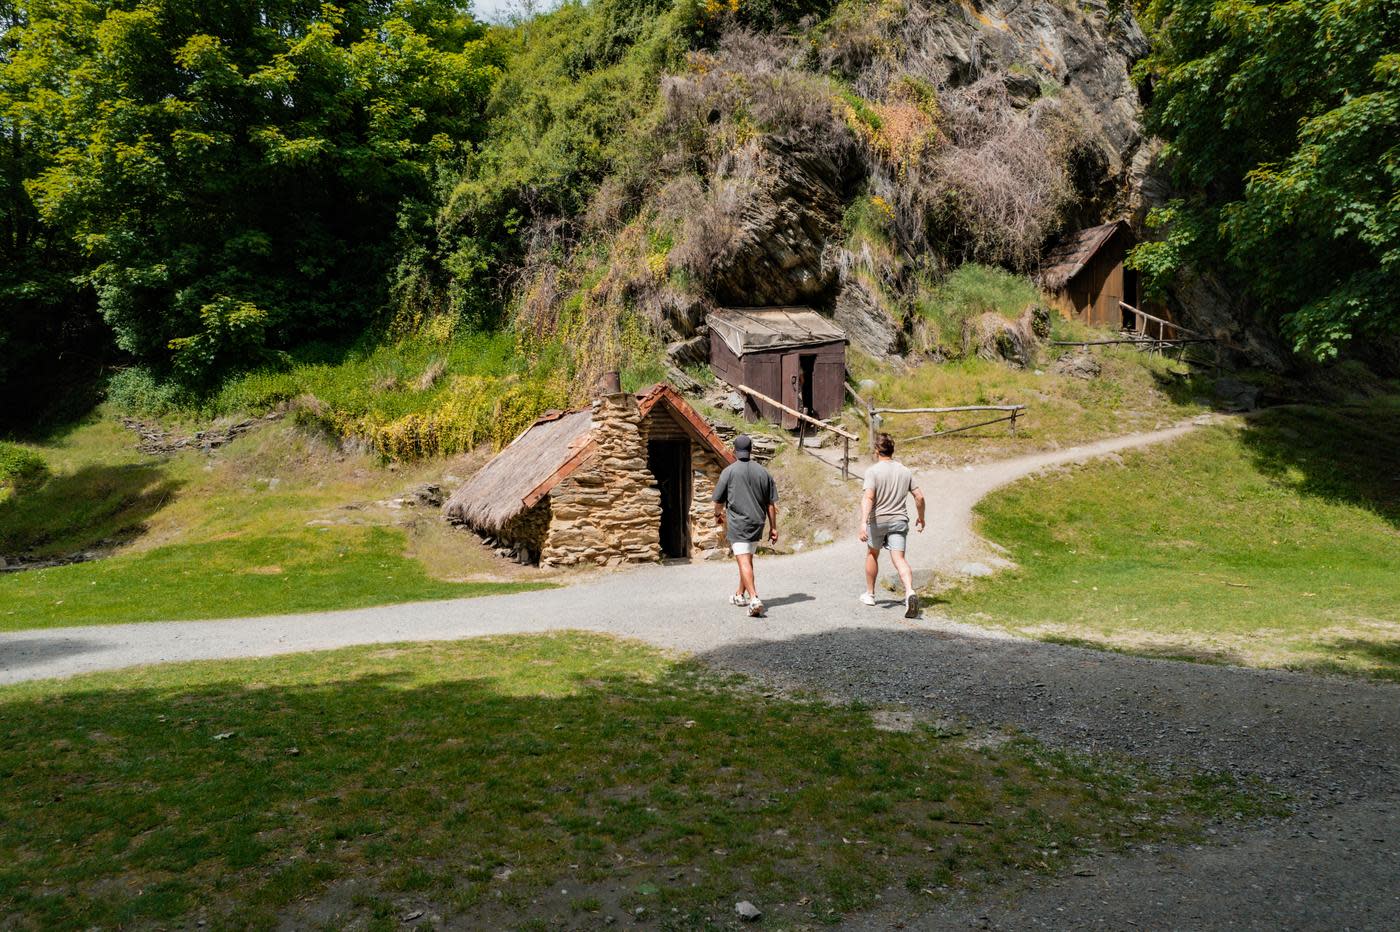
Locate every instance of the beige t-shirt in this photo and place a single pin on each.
(892, 483)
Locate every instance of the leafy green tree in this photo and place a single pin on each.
(50, 337)
(570, 109)
(1282, 121)
(231, 173)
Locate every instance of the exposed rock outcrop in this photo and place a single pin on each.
(1079, 365)
(864, 313)
(788, 211)
(992, 336)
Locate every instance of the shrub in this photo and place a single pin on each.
(20, 468)
(136, 391)
(971, 290)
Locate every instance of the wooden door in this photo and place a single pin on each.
(830, 388)
(791, 388)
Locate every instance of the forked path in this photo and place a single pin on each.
(1332, 745)
(674, 606)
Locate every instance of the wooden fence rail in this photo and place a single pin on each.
(845, 435)
(1008, 413)
(1142, 341)
(1160, 322)
(950, 410)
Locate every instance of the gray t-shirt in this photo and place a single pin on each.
(747, 490)
(892, 483)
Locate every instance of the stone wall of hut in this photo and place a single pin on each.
(526, 532)
(705, 468)
(609, 511)
(705, 534)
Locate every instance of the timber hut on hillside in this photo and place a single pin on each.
(625, 479)
(1085, 279)
(792, 354)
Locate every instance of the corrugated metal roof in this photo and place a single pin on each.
(758, 329)
(1073, 253)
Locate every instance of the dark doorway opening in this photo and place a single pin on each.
(669, 462)
(809, 373)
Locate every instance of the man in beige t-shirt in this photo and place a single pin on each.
(884, 521)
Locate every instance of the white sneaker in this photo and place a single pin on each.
(756, 609)
(742, 601)
(867, 599)
(911, 606)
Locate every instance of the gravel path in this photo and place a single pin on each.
(1331, 744)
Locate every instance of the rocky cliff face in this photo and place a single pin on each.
(784, 225)
(980, 127)
(1065, 69)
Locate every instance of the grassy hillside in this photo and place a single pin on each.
(1272, 542)
(276, 522)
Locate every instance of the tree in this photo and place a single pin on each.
(47, 324)
(1282, 121)
(231, 173)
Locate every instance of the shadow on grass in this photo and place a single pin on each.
(1346, 454)
(1179, 652)
(1379, 658)
(96, 505)
(502, 783)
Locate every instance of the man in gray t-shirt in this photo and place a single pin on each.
(745, 496)
(884, 521)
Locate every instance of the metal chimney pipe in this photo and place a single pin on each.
(610, 383)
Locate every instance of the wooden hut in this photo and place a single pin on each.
(625, 479)
(792, 354)
(1085, 279)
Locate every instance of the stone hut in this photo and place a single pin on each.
(625, 479)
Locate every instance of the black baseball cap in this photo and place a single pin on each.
(743, 446)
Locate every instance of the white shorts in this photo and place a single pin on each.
(743, 546)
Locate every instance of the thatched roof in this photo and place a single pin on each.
(1073, 253)
(548, 452)
(759, 329)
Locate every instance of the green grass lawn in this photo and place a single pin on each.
(275, 522)
(310, 570)
(520, 782)
(1135, 391)
(1273, 543)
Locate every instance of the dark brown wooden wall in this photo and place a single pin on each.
(764, 372)
(1094, 293)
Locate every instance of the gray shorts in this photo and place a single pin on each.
(891, 536)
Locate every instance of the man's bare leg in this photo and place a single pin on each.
(901, 565)
(872, 569)
(746, 583)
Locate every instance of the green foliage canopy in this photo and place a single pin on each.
(231, 174)
(1282, 120)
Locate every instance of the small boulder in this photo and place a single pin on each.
(1080, 365)
(690, 352)
(747, 911)
(1235, 395)
(991, 336)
